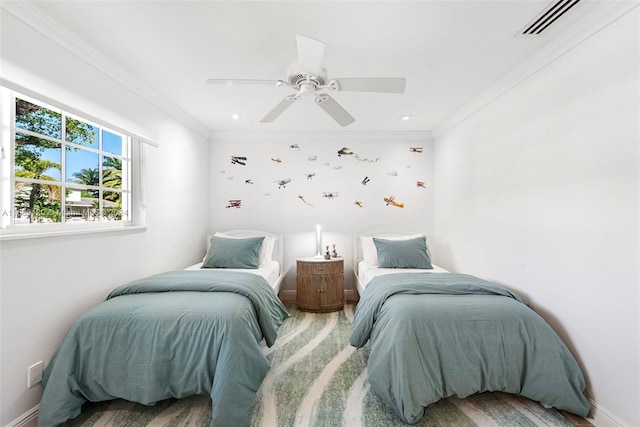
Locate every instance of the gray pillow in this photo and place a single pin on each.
(233, 253)
(410, 253)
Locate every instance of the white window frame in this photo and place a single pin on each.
(134, 174)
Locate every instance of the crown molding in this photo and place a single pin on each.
(603, 14)
(35, 17)
(312, 136)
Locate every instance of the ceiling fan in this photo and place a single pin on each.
(309, 78)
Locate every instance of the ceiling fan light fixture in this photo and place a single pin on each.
(307, 89)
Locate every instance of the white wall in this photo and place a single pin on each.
(46, 283)
(265, 206)
(539, 191)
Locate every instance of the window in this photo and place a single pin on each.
(64, 169)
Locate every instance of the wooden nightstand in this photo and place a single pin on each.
(320, 284)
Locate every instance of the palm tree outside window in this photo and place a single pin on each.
(66, 168)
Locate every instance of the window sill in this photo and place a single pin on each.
(5, 236)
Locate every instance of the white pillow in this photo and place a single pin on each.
(268, 246)
(369, 251)
(266, 251)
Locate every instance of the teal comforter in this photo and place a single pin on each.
(171, 335)
(438, 335)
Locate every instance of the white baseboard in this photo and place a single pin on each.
(601, 417)
(28, 419)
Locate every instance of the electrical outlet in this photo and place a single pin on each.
(34, 374)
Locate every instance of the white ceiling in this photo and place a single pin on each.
(448, 51)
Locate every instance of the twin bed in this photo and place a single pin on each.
(176, 334)
(435, 334)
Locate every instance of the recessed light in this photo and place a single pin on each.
(236, 116)
(405, 117)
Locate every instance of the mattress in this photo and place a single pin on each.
(368, 270)
(270, 271)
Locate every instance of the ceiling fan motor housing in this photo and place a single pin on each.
(299, 78)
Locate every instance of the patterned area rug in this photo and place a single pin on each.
(318, 379)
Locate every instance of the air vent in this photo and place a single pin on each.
(549, 16)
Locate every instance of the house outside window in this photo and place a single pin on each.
(61, 169)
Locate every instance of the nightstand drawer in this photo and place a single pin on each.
(319, 268)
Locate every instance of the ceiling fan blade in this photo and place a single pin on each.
(231, 82)
(310, 53)
(279, 109)
(334, 109)
(372, 84)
